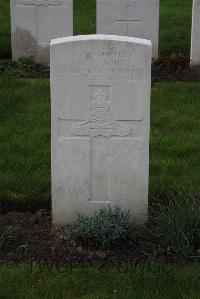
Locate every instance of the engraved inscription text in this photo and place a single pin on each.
(39, 2)
(102, 65)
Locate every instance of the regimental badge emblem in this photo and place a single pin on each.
(101, 120)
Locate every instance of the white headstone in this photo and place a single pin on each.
(195, 41)
(35, 22)
(100, 90)
(137, 18)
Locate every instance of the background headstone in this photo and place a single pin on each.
(195, 40)
(100, 90)
(137, 18)
(35, 22)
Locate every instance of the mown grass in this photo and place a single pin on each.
(175, 139)
(5, 28)
(25, 140)
(126, 282)
(84, 17)
(175, 24)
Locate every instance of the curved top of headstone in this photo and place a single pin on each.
(99, 37)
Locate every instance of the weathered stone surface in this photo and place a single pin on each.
(137, 18)
(100, 89)
(35, 22)
(195, 40)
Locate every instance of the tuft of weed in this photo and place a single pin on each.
(179, 224)
(106, 229)
(24, 67)
(7, 237)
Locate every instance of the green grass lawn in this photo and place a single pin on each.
(5, 43)
(151, 281)
(175, 24)
(175, 139)
(25, 139)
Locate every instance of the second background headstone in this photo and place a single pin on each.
(35, 22)
(136, 18)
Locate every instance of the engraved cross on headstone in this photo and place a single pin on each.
(198, 6)
(41, 13)
(128, 19)
(101, 126)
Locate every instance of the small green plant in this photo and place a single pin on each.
(106, 229)
(23, 67)
(7, 66)
(26, 66)
(7, 237)
(179, 223)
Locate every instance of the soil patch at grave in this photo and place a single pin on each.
(36, 241)
(173, 68)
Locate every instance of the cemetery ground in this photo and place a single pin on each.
(147, 266)
(25, 188)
